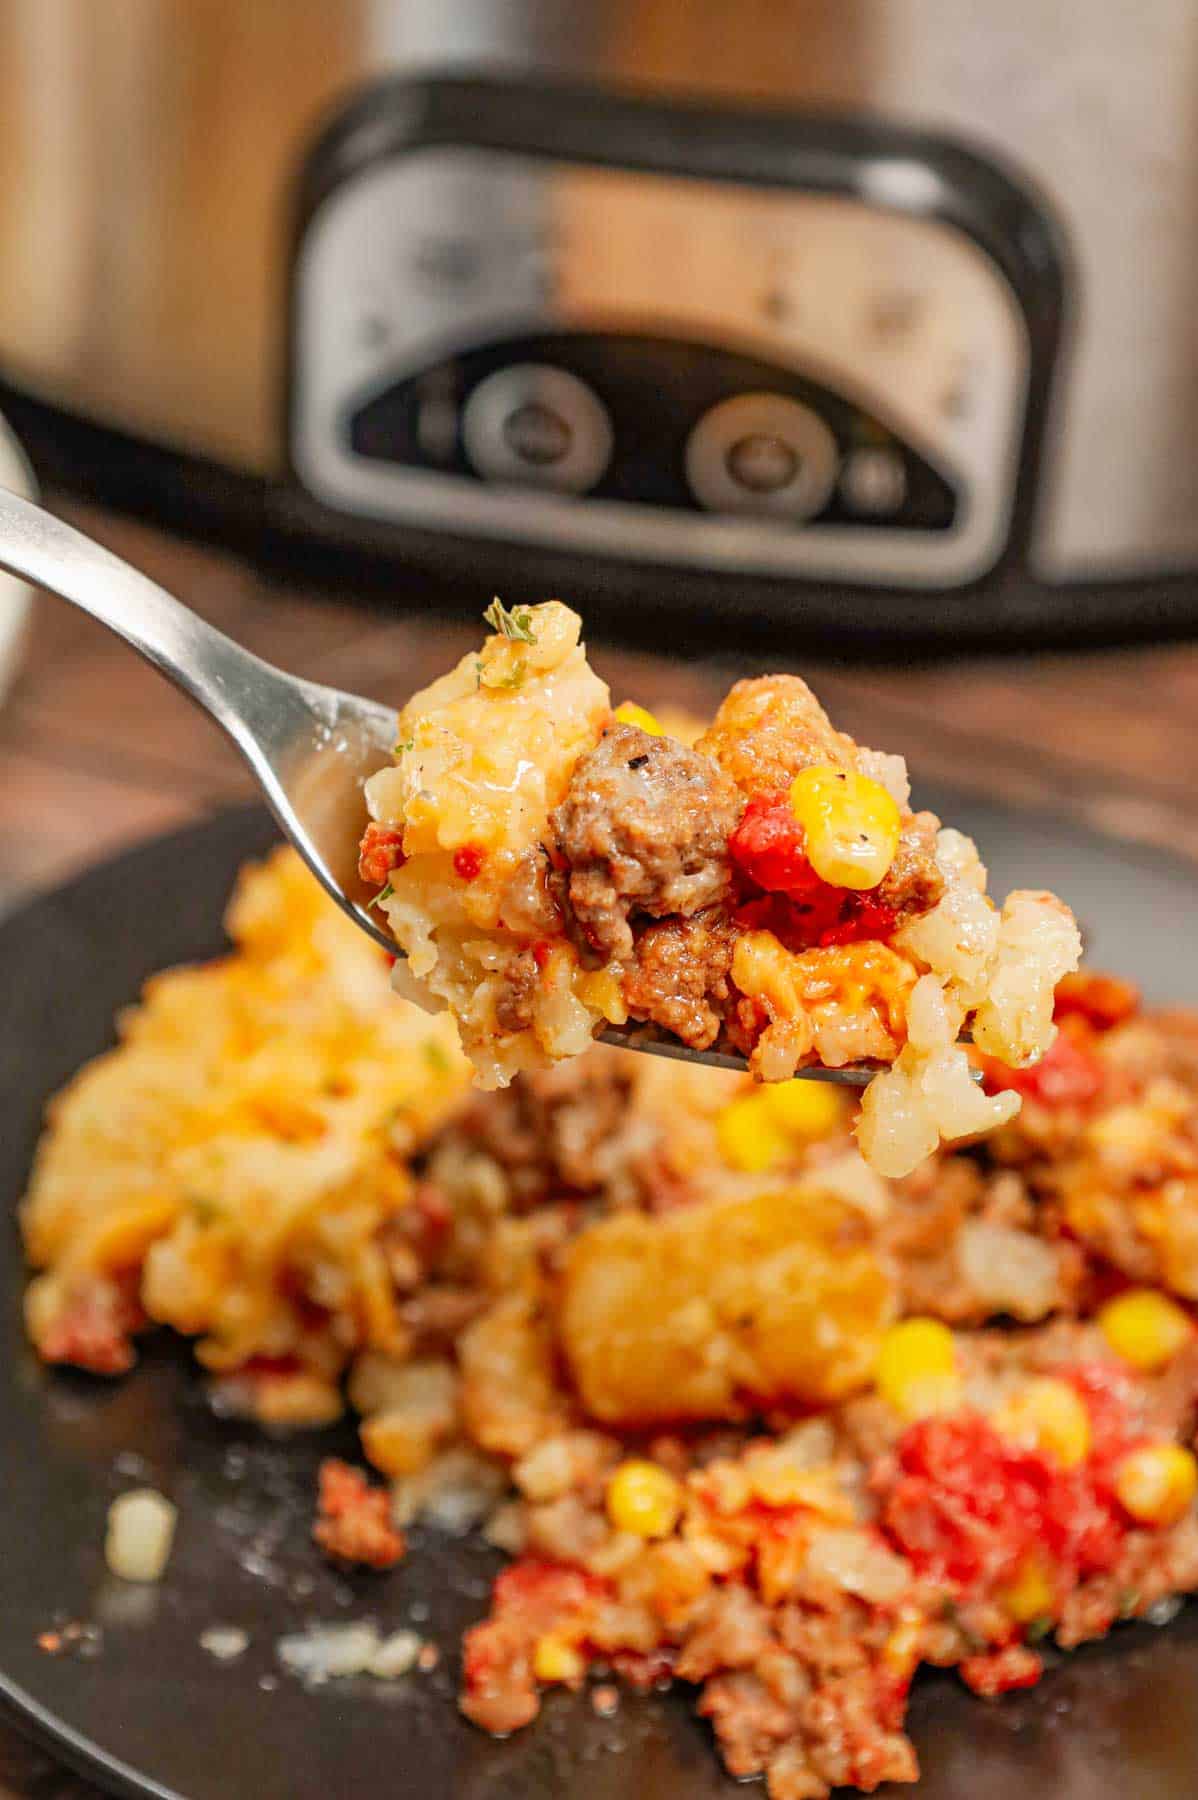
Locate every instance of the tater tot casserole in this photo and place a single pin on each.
(743, 1411)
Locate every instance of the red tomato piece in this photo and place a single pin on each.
(767, 847)
(468, 862)
(1066, 1075)
(380, 851)
(1101, 1000)
(799, 908)
(967, 1507)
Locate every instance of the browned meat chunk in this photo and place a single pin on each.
(913, 883)
(680, 978)
(513, 1009)
(554, 1129)
(644, 829)
(354, 1522)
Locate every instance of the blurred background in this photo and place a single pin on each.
(857, 339)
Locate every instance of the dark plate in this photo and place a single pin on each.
(153, 1713)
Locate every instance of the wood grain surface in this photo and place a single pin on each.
(96, 751)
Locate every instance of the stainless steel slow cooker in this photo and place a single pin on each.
(877, 312)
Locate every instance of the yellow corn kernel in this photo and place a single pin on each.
(917, 1371)
(805, 1110)
(1050, 1416)
(901, 1650)
(851, 825)
(1157, 1483)
(1145, 1327)
(555, 1659)
(1029, 1596)
(749, 1137)
(632, 714)
(643, 1498)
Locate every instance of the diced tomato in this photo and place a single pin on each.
(767, 848)
(1102, 1000)
(801, 910)
(468, 862)
(796, 924)
(967, 1507)
(542, 950)
(1068, 1074)
(543, 1592)
(862, 918)
(380, 851)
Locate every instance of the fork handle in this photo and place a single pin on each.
(231, 684)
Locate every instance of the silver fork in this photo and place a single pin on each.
(311, 748)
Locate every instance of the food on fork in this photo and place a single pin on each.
(549, 867)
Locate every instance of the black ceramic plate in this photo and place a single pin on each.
(153, 1714)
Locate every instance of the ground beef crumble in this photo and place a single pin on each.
(354, 1521)
(94, 1327)
(643, 829)
(679, 978)
(914, 882)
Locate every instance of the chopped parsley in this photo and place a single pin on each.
(435, 1057)
(384, 893)
(514, 624)
(478, 671)
(512, 680)
(404, 745)
(1038, 1628)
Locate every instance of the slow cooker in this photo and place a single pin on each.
(874, 320)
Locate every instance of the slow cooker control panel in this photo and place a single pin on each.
(680, 370)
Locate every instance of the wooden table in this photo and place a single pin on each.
(96, 751)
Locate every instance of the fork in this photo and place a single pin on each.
(311, 748)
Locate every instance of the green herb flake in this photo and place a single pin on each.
(1038, 1629)
(384, 893)
(478, 671)
(403, 746)
(512, 680)
(203, 1210)
(514, 624)
(435, 1057)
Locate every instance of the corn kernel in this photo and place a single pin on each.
(1157, 1483)
(901, 1650)
(749, 1137)
(851, 825)
(1145, 1328)
(805, 1110)
(632, 714)
(555, 1659)
(643, 1498)
(917, 1368)
(1050, 1416)
(1029, 1596)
